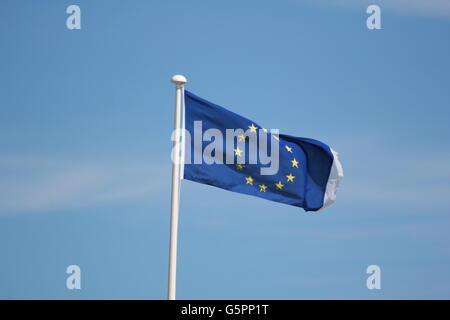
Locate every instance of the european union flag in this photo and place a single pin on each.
(226, 150)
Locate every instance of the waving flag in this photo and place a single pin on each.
(215, 146)
(226, 150)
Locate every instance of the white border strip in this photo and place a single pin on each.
(335, 178)
(183, 112)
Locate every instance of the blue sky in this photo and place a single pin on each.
(86, 118)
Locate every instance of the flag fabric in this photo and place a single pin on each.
(308, 172)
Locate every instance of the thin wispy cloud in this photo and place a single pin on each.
(379, 172)
(405, 178)
(29, 184)
(432, 8)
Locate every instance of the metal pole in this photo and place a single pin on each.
(179, 80)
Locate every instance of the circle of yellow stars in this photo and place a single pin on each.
(250, 180)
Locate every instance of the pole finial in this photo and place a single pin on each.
(179, 79)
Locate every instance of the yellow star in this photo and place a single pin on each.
(288, 149)
(237, 152)
(239, 166)
(279, 185)
(294, 163)
(262, 188)
(241, 137)
(290, 177)
(252, 128)
(249, 180)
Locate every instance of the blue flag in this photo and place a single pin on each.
(226, 150)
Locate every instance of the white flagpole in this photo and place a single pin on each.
(179, 81)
